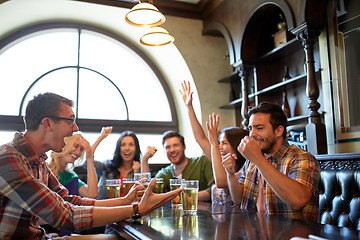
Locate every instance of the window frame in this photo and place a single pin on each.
(93, 125)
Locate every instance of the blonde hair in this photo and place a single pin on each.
(55, 156)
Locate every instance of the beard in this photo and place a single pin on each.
(269, 146)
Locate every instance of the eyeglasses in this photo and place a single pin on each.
(72, 120)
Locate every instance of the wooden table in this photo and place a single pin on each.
(220, 222)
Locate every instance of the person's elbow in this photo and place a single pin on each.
(300, 202)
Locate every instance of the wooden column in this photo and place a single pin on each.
(243, 70)
(315, 129)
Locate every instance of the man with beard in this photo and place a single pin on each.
(30, 194)
(277, 178)
(182, 167)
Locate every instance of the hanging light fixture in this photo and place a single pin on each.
(144, 14)
(156, 36)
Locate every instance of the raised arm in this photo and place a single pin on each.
(196, 127)
(91, 188)
(234, 186)
(218, 169)
(105, 131)
(150, 151)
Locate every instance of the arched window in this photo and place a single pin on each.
(110, 81)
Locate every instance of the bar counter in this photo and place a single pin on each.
(221, 222)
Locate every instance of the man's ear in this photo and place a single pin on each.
(46, 123)
(280, 130)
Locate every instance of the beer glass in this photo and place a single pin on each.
(159, 187)
(113, 188)
(175, 184)
(190, 196)
(141, 179)
(127, 183)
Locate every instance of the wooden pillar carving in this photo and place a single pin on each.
(315, 129)
(243, 70)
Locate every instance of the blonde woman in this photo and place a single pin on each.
(62, 164)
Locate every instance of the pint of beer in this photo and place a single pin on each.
(113, 188)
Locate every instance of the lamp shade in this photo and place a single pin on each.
(144, 14)
(156, 36)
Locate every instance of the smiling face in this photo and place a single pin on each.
(224, 145)
(127, 148)
(175, 150)
(72, 151)
(263, 132)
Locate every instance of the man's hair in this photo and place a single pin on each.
(171, 134)
(43, 105)
(277, 115)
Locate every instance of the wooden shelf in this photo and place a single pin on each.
(281, 84)
(282, 51)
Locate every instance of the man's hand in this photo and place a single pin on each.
(186, 93)
(250, 149)
(151, 201)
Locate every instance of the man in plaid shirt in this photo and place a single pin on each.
(30, 194)
(277, 178)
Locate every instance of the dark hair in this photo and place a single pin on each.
(277, 115)
(43, 105)
(171, 134)
(234, 136)
(117, 161)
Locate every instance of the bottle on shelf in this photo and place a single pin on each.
(285, 102)
(286, 76)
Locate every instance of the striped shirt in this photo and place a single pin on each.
(30, 192)
(294, 163)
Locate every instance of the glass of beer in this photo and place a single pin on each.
(190, 196)
(159, 187)
(177, 201)
(127, 183)
(113, 188)
(141, 179)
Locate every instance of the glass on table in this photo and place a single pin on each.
(190, 196)
(127, 183)
(113, 188)
(144, 180)
(176, 184)
(159, 186)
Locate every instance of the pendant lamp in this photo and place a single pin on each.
(156, 36)
(144, 15)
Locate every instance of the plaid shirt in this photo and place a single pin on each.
(30, 192)
(294, 163)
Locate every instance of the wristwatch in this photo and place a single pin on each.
(136, 215)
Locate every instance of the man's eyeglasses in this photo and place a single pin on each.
(72, 120)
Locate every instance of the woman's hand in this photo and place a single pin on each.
(150, 152)
(213, 128)
(136, 166)
(228, 162)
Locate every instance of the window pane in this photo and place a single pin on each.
(135, 79)
(22, 63)
(62, 82)
(99, 99)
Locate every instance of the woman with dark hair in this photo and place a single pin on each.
(221, 144)
(125, 163)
